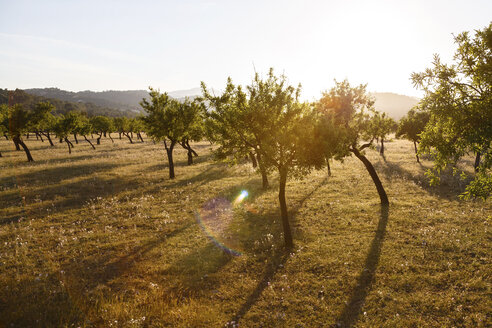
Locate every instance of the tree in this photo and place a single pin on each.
(166, 120)
(123, 126)
(380, 126)
(225, 127)
(352, 109)
(84, 128)
(331, 137)
(458, 98)
(193, 123)
(270, 119)
(137, 125)
(18, 124)
(4, 112)
(43, 121)
(102, 125)
(66, 125)
(411, 126)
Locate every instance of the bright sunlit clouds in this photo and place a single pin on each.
(175, 45)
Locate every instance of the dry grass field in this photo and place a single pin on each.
(102, 238)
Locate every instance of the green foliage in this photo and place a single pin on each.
(171, 119)
(67, 124)
(42, 119)
(459, 100)
(102, 124)
(351, 109)
(18, 120)
(4, 119)
(381, 125)
(412, 124)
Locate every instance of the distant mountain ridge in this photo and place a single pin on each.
(393, 104)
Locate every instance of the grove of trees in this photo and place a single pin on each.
(268, 124)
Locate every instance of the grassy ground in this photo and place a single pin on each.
(104, 239)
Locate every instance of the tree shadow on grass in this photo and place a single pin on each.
(39, 302)
(354, 306)
(53, 175)
(198, 271)
(449, 188)
(101, 270)
(276, 262)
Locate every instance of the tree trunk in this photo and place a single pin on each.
(47, 134)
(263, 171)
(373, 174)
(68, 144)
(16, 143)
(139, 136)
(119, 134)
(27, 135)
(128, 136)
(381, 151)
(477, 161)
(104, 134)
(89, 142)
(169, 152)
(283, 209)
(61, 140)
(75, 137)
(6, 136)
(98, 140)
(40, 136)
(328, 166)
(253, 159)
(191, 149)
(190, 157)
(26, 150)
(109, 134)
(416, 151)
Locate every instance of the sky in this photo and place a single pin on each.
(173, 45)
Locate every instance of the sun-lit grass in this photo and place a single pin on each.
(104, 239)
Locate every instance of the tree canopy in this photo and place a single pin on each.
(458, 97)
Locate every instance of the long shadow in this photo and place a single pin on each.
(212, 172)
(164, 165)
(447, 189)
(55, 175)
(276, 262)
(300, 203)
(38, 302)
(102, 270)
(353, 309)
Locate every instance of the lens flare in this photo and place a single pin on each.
(241, 197)
(216, 218)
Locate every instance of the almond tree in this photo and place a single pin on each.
(224, 128)
(353, 109)
(270, 118)
(411, 126)
(17, 121)
(458, 98)
(43, 121)
(170, 121)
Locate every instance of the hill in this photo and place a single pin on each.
(29, 100)
(395, 105)
(128, 101)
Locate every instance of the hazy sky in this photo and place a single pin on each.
(172, 45)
